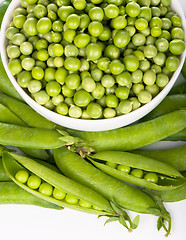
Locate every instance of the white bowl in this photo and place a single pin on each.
(82, 124)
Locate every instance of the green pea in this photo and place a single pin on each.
(57, 26)
(15, 66)
(119, 22)
(64, 12)
(34, 86)
(111, 11)
(58, 194)
(123, 168)
(177, 46)
(34, 182)
(131, 63)
(62, 109)
(95, 28)
(41, 97)
(116, 67)
(67, 91)
(144, 65)
(84, 21)
(98, 92)
(109, 113)
(71, 199)
(73, 21)
(144, 97)
(58, 62)
(137, 88)
(138, 39)
(13, 51)
(172, 63)
(81, 40)
(10, 32)
(69, 35)
(122, 92)
(18, 39)
(105, 35)
(152, 89)
(137, 76)
(121, 39)
(177, 33)
(103, 63)
(49, 74)
(60, 75)
(125, 106)
(53, 88)
(149, 77)
(22, 176)
(94, 110)
(133, 9)
(40, 11)
(146, 13)
(24, 78)
(135, 103)
(93, 51)
(30, 26)
(75, 111)
(88, 84)
(156, 31)
(111, 101)
(111, 164)
(72, 64)
(162, 80)
(82, 98)
(124, 79)
(96, 14)
(84, 204)
(112, 52)
(97, 74)
(137, 173)
(107, 81)
(139, 55)
(141, 24)
(160, 59)
(46, 189)
(151, 177)
(150, 51)
(162, 44)
(56, 100)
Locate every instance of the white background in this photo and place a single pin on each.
(30, 222)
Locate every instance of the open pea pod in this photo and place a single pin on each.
(139, 170)
(3, 175)
(74, 194)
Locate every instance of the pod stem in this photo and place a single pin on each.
(75, 144)
(121, 216)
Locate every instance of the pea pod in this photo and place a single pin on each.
(135, 136)
(179, 89)
(174, 156)
(180, 136)
(3, 175)
(18, 136)
(13, 194)
(139, 170)
(169, 104)
(78, 169)
(74, 194)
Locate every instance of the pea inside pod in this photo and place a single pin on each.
(138, 170)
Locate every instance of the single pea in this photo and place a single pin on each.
(10, 32)
(30, 26)
(162, 44)
(116, 67)
(88, 84)
(58, 50)
(18, 39)
(34, 86)
(69, 35)
(137, 88)
(172, 63)
(102, 101)
(73, 81)
(111, 11)
(84, 204)
(85, 115)
(176, 21)
(146, 13)
(49, 105)
(82, 98)
(65, 11)
(107, 81)
(37, 73)
(137, 76)
(141, 24)
(144, 65)
(13, 51)
(125, 106)
(177, 46)
(160, 59)
(60, 75)
(133, 9)
(138, 39)
(111, 164)
(50, 62)
(96, 14)
(23, 78)
(109, 113)
(137, 173)
(167, 72)
(135, 103)
(19, 10)
(73, 21)
(144, 97)
(128, 51)
(72, 64)
(112, 52)
(149, 77)
(103, 63)
(110, 90)
(58, 62)
(94, 110)
(34, 182)
(131, 63)
(56, 100)
(49, 74)
(40, 11)
(119, 22)
(121, 39)
(53, 88)
(41, 97)
(75, 111)
(42, 55)
(151, 177)
(139, 54)
(125, 169)
(99, 91)
(82, 52)
(44, 25)
(67, 92)
(19, 20)
(56, 37)
(150, 40)
(177, 33)
(85, 74)
(71, 199)
(124, 79)
(96, 74)
(93, 51)
(152, 89)
(162, 80)
(62, 109)
(156, 31)
(122, 92)
(28, 63)
(59, 194)
(84, 65)
(57, 25)
(95, 28)
(111, 101)
(150, 51)
(46, 189)
(84, 21)
(105, 35)
(22, 176)
(81, 40)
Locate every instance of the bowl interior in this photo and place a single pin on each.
(82, 124)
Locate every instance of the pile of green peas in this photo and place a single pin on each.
(135, 172)
(35, 183)
(94, 59)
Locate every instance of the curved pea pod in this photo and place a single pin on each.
(124, 195)
(134, 136)
(13, 194)
(176, 157)
(180, 136)
(3, 175)
(169, 104)
(14, 163)
(139, 170)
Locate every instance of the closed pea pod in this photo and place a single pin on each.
(56, 188)
(80, 170)
(154, 174)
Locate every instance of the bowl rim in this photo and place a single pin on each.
(89, 124)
